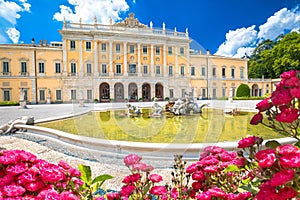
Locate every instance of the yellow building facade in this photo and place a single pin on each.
(122, 61)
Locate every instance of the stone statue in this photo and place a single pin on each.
(185, 105)
(157, 110)
(133, 110)
(10, 126)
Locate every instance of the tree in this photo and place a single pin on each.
(243, 91)
(272, 58)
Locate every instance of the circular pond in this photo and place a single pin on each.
(211, 126)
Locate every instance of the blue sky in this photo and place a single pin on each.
(226, 27)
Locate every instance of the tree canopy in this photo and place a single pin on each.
(272, 58)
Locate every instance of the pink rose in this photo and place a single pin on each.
(197, 185)
(155, 178)
(199, 176)
(131, 159)
(290, 160)
(288, 149)
(282, 177)
(295, 92)
(127, 190)
(131, 178)
(264, 105)
(247, 142)
(158, 190)
(266, 158)
(113, 196)
(281, 97)
(256, 119)
(192, 168)
(288, 74)
(13, 190)
(287, 193)
(288, 115)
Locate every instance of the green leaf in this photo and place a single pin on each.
(272, 144)
(102, 178)
(297, 144)
(232, 168)
(86, 173)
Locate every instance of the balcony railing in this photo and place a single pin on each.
(6, 73)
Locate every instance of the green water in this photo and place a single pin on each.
(211, 126)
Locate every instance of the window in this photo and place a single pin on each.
(157, 70)
(89, 94)
(170, 70)
(171, 93)
(182, 51)
(132, 68)
(232, 72)
(57, 68)
(42, 95)
(214, 93)
(182, 70)
(89, 68)
(131, 48)
(23, 68)
(6, 95)
(170, 50)
(5, 68)
(242, 72)
(203, 71)
(157, 50)
(145, 70)
(104, 69)
(118, 48)
(88, 46)
(73, 94)
(25, 91)
(223, 72)
(145, 50)
(58, 95)
(41, 67)
(214, 71)
(203, 93)
(193, 73)
(72, 45)
(103, 46)
(223, 92)
(118, 69)
(73, 69)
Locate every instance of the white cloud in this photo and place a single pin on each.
(102, 9)
(9, 14)
(13, 34)
(236, 39)
(280, 22)
(243, 40)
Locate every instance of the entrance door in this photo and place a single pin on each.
(119, 92)
(104, 92)
(146, 92)
(159, 91)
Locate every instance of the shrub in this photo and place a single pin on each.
(243, 91)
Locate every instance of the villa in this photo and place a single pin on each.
(121, 61)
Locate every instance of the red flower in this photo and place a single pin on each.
(287, 149)
(155, 178)
(287, 193)
(131, 159)
(288, 74)
(131, 178)
(158, 190)
(247, 142)
(266, 157)
(290, 160)
(281, 97)
(288, 115)
(295, 92)
(196, 185)
(192, 168)
(264, 105)
(199, 176)
(256, 119)
(127, 190)
(112, 196)
(282, 177)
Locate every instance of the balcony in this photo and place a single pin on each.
(5, 73)
(24, 73)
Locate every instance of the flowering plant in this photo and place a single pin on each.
(282, 107)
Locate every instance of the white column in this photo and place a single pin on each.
(125, 60)
(165, 60)
(81, 72)
(152, 60)
(111, 72)
(139, 59)
(96, 72)
(65, 62)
